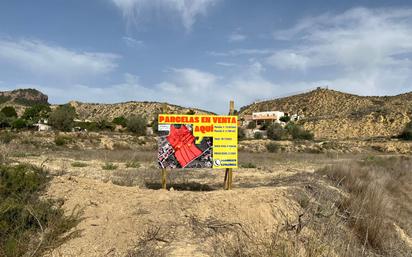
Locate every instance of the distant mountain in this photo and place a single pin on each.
(333, 114)
(23, 97)
(20, 99)
(95, 111)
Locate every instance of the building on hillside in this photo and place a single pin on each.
(42, 125)
(85, 120)
(269, 116)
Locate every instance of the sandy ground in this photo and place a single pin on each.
(116, 217)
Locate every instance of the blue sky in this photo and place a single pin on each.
(202, 53)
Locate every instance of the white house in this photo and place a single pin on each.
(267, 116)
(42, 125)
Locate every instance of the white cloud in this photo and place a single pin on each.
(226, 64)
(44, 59)
(188, 10)
(191, 87)
(128, 90)
(359, 38)
(367, 49)
(236, 37)
(242, 51)
(131, 42)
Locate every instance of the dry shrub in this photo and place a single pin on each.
(375, 201)
(153, 243)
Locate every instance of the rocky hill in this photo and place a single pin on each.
(21, 98)
(95, 112)
(335, 115)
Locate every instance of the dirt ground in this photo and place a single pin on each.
(116, 217)
(117, 191)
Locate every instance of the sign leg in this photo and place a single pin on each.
(164, 175)
(229, 181)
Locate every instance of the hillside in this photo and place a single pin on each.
(21, 98)
(336, 115)
(95, 112)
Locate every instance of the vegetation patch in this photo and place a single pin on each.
(109, 166)
(272, 147)
(133, 164)
(248, 165)
(407, 132)
(376, 201)
(30, 225)
(61, 140)
(6, 137)
(79, 164)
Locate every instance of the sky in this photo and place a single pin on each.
(203, 53)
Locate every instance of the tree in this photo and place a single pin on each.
(298, 132)
(62, 118)
(103, 124)
(266, 124)
(285, 119)
(122, 121)
(9, 111)
(155, 124)
(276, 132)
(258, 135)
(251, 125)
(36, 112)
(4, 121)
(241, 133)
(137, 125)
(19, 123)
(407, 132)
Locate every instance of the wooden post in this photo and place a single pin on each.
(164, 178)
(229, 172)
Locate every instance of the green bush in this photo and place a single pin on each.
(285, 119)
(25, 216)
(6, 137)
(89, 126)
(122, 121)
(109, 166)
(258, 135)
(137, 125)
(4, 121)
(36, 112)
(251, 125)
(105, 125)
(266, 125)
(62, 140)
(19, 123)
(276, 132)
(248, 165)
(407, 132)
(155, 124)
(272, 147)
(133, 164)
(62, 118)
(79, 164)
(241, 133)
(9, 111)
(298, 132)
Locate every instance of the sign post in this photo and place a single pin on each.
(227, 184)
